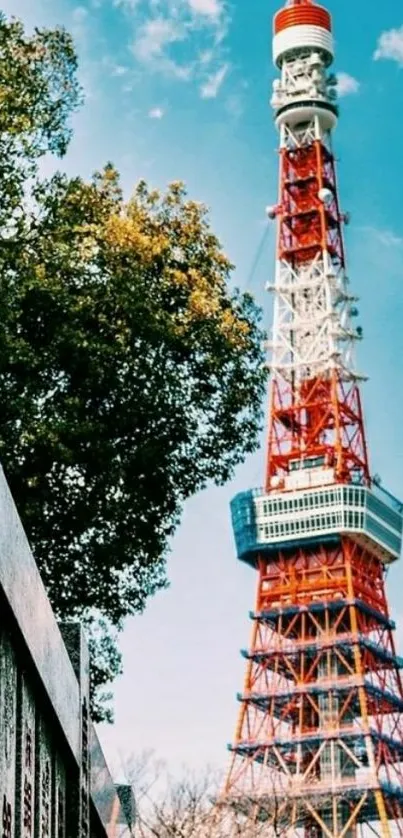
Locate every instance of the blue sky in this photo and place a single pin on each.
(178, 89)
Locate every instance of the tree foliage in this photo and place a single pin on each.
(38, 92)
(130, 373)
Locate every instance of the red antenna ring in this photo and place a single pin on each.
(303, 14)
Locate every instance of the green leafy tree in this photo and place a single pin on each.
(130, 374)
(38, 92)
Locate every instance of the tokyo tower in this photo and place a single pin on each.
(318, 748)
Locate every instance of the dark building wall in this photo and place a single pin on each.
(54, 782)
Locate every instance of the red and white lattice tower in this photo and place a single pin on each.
(318, 749)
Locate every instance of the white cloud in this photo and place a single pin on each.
(152, 47)
(156, 113)
(210, 8)
(79, 14)
(206, 57)
(119, 70)
(130, 5)
(154, 36)
(23, 9)
(390, 46)
(386, 238)
(212, 85)
(79, 17)
(347, 84)
(234, 105)
(235, 102)
(181, 39)
(82, 30)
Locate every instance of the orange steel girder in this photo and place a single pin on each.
(320, 724)
(320, 416)
(306, 225)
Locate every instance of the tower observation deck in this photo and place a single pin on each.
(318, 747)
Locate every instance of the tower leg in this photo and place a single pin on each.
(322, 696)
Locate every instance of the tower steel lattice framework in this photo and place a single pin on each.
(318, 748)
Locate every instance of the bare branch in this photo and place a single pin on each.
(192, 806)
